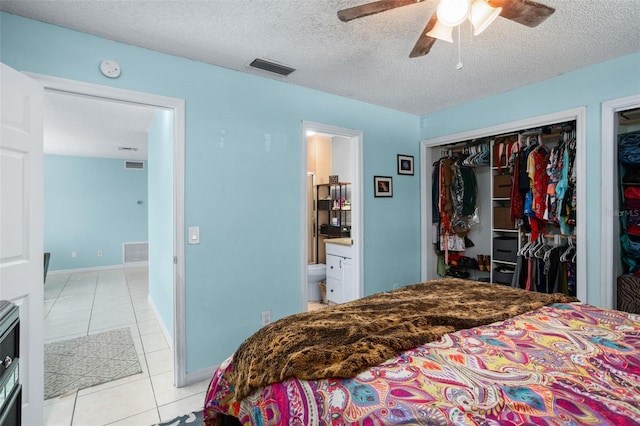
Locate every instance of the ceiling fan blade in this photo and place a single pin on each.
(525, 12)
(372, 8)
(424, 43)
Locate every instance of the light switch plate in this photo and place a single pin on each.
(194, 235)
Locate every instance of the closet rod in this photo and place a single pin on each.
(543, 135)
(465, 144)
(531, 133)
(553, 130)
(566, 237)
(629, 121)
(562, 236)
(504, 135)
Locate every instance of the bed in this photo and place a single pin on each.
(442, 352)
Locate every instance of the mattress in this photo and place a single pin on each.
(561, 364)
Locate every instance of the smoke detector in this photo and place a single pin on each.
(110, 68)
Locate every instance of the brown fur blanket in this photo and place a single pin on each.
(342, 340)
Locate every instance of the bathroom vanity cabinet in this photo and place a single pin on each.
(341, 282)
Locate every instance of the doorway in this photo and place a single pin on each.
(176, 108)
(610, 264)
(348, 146)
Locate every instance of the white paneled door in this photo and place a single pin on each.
(21, 227)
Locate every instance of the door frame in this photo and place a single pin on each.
(177, 106)
(609, 177)
(426, 161)
(357, 206)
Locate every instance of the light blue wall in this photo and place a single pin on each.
(585, 87)
(245, 195)
(161, 216)
(91, 204)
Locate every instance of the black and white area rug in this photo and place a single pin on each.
(71, 365)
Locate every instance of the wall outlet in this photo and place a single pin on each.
(73, 254)
(100, 253)
(266, 317)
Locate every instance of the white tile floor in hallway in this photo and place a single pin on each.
(84, 303)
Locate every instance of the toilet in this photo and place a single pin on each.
(315, 274)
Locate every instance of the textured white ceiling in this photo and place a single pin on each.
(365, 59)
(91, 127)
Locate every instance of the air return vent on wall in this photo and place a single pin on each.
(271, 67)
(136, 165)
(135, 252)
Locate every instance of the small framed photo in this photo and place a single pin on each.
(382, 186)
(405, 164)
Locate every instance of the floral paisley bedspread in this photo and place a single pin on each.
(563, 364)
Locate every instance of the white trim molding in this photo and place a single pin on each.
(609, 179)
(577, 114)
(177, 107)
(98, 268)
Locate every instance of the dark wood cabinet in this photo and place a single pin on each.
(10, 388)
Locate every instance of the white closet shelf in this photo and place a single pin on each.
(504, 262)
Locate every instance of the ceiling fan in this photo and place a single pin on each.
(525, 12)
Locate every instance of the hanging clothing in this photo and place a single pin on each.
(539, 158)
(554, 170)
(435, 193)
(454, 197)
(516, 207)
(446, 202)
(546, 274)
(464, 190)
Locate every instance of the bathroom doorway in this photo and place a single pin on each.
(332, 168)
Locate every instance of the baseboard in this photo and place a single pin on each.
(98, 268)
(200, 375)
(165, 331)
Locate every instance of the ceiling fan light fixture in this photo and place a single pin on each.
(453, 12)
(441, 32)
(482, 15)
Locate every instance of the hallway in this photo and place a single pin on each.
(83, 303)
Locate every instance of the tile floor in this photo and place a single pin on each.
(84, 303)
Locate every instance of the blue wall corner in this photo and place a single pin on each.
(91, 205)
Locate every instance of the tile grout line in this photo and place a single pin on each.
(93, 302)
(73, 412)
(144, 352)
(55, 299)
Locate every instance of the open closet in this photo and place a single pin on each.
(628, 148)
(504, 208)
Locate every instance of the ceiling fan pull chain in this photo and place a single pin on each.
(459, 64)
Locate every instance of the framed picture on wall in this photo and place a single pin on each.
(382, 186)
(405, 164)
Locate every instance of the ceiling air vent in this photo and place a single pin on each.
(271, 67)
(136, 165)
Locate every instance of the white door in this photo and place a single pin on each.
(21, 227)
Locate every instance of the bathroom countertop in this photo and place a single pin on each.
(340, 241)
